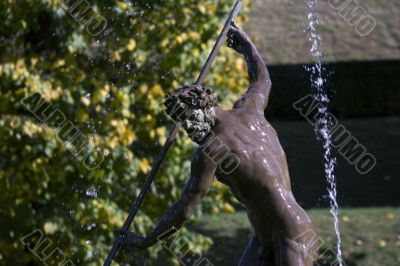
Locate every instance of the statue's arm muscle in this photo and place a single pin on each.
(260, 84)
(202, 175)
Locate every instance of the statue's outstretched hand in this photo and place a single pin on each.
(130, 241)
(237, 38)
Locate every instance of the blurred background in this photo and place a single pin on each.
(106, 66)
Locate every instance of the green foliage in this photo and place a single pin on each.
(110, 86)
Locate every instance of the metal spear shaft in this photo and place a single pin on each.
(171, 137)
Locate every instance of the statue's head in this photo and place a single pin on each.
(193, 105)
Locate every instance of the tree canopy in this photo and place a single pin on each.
(108, 80)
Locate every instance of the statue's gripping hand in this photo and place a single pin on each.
(237, 38)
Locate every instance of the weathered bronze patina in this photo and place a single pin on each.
(251, 162)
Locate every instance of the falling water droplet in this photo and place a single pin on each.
(91, 192)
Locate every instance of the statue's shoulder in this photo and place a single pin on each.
(201, 161)
(251, 100)
(200, 154)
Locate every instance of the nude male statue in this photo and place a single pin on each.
(261, 179)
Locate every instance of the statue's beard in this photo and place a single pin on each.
(198, 126)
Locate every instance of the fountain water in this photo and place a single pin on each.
(317, 72)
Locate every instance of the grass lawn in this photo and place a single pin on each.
(371, 236)
(278, 26)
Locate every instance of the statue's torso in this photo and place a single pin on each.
(261, 181)
(262, 161)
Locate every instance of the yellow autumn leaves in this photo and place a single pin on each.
(122, 134)
(16, 70)
(111, 87)
(130, 47)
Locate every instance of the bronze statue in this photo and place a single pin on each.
(254, 167)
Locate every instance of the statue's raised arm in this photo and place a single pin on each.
(260, 84)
